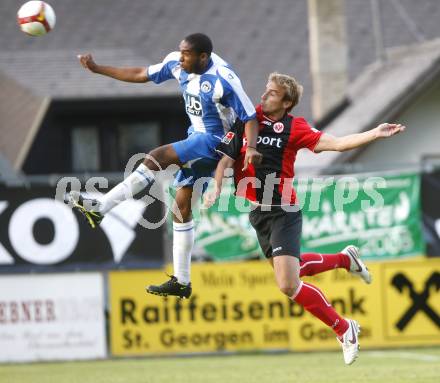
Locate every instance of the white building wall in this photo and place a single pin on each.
(422, 136)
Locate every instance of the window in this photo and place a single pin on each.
(137, 138)
(85, 149)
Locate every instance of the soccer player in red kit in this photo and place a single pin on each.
(276, 216)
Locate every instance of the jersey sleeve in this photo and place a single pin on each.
(165, 70)
(306, 136)
(234, 95)
(231, 143)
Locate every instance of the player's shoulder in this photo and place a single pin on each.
(218, 61)
(299, 122)
(228, 77)
(221, 66)
(172, 57)
(226, 73)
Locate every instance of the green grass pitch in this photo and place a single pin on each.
(394, 366)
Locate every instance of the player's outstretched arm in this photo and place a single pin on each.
(128, 74)
(211, 196)
(327, 142)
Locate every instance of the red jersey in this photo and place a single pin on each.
(271, 183)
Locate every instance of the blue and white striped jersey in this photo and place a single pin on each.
(213, 100)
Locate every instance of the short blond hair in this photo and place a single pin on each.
(293, 89)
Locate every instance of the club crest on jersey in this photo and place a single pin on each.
(228, 137)
(278, 127)
(205, 87)
(193, 105)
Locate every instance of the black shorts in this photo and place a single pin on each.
(278, 231)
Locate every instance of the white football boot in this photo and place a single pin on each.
(357, 267)
(350, 341)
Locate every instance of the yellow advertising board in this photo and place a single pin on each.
(234, 307)
(411, 303)
(237, 307)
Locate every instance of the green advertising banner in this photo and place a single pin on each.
(381, 215)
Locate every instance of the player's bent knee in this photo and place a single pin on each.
(151, 161)
(288, 290)
(185, 212)
(185, 215)
(163, 156)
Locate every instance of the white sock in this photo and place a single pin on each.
(183, 241)
(133, 184)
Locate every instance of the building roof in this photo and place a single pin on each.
(60, 76)
(21, 112)
(255, 39)
(379, 94)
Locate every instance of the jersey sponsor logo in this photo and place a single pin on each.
(228, 137)
(270, 141)
(193, 105)
(206, 87)
(278, 127)
(265, 122)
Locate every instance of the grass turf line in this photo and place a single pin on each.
(394, 366)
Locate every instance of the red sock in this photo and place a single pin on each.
(314, 263)
(313, 300)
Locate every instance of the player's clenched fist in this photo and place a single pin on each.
(253, 157)
(87, 62)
